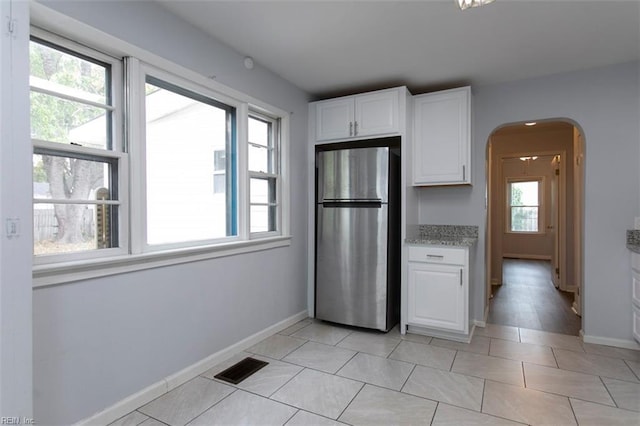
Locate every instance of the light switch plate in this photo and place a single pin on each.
(13, 228)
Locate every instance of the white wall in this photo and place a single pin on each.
(15, 194)
(100, 340)
(605, 103)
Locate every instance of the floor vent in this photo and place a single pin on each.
(241, 370)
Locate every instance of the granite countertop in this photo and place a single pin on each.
(444, 235)
(633, 240)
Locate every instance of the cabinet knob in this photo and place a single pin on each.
(351, 128)
(355, 129)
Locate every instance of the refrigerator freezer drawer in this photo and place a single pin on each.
(351, 274)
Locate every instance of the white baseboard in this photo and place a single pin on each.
(618, 343)
(171, 382)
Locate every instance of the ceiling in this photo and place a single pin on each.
(330, 48)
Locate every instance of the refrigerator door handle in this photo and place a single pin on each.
(352, 204)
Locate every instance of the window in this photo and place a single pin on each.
(264, 179)
(132, 161)
(188, 138)
(76, 160)
(524, 205)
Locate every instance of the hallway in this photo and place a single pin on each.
(528, 299)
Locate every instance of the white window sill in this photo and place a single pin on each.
(63, 273)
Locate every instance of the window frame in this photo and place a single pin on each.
(137, 73)
(112, 154)
(273, 175)
(134, 258)
(541, 206)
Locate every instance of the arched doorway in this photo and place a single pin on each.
(534, 225)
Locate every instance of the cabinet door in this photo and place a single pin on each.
(436, 296)
(377, 113)
(442, 143)
(334, 119)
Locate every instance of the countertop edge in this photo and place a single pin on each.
(466, 242)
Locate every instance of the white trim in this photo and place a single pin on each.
(75, 99)
(64, 273)
(441, 334)
(132, 402)
(607, 341)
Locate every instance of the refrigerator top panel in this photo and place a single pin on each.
(359, 174)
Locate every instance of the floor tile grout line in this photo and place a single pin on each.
(632, 371)
(408, 377)
(484, 387)
(351, 400)
(573, 411)
(609, 392)
(435, 411)
(211, 406)
(455, 355)
(292, 416)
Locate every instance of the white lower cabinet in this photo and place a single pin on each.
(438, 289)
(436, 296)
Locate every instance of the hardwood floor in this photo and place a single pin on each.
(528, 299)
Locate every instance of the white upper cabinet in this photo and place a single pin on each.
(442, 138)
(369, 114)
(334, 119)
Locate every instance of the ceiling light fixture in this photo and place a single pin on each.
(466, 4)
(531, 123)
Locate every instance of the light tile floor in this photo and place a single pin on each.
(321, 374)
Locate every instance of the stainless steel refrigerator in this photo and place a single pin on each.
(357, 234)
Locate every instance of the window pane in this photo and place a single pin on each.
(59, 120)
(259, 131)
(262, 191)
(183, 134)
(53, 69)
(524, 193)
(65, 228)
(259, 159)
(524, 219)
(69, 178)
(263, 218)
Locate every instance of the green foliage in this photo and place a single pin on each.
(53, 118)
